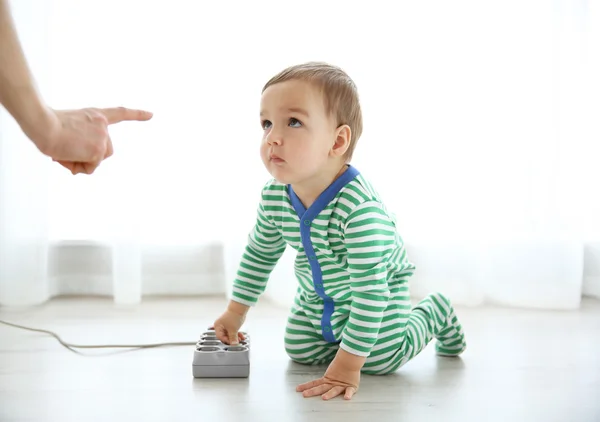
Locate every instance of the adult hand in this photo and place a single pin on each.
(79, 139)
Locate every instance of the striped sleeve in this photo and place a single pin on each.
(370, 237)
(264, 248)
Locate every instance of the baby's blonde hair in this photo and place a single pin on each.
(339, 93)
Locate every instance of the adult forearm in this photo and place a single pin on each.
(18, 93)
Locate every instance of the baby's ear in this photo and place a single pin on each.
(343, 135)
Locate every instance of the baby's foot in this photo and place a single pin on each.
(451, 340)
(444, 325)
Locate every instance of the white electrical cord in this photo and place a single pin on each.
(72, 347)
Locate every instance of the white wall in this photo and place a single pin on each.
(479, 130)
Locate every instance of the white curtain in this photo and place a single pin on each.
(479, 132)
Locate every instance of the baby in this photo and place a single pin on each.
(352, 307)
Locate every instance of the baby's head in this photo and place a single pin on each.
(311, 118)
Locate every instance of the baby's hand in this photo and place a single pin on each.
(227, 327)
(342, 376)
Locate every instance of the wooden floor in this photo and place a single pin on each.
(520, 366)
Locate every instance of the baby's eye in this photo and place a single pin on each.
(295, 122)
(265, 124)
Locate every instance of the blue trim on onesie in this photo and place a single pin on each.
(306, 218)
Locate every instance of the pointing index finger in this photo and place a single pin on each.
(120, 114)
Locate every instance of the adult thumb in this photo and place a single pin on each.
(233, 338)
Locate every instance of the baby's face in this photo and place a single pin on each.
(298, 134)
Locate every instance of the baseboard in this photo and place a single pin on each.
(163, 284)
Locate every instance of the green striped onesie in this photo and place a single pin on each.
(352, 271)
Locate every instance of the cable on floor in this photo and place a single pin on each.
(72, 347)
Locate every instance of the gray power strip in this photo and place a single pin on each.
(214, 359)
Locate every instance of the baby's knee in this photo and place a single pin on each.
(309, 353)
(383, 371)
(297, 351)
(303, 358)
(384, 365)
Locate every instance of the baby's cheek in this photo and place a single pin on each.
(264, 151)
